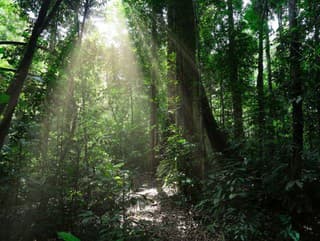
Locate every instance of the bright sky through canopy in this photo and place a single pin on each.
(111, 23)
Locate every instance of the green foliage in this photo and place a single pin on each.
(174, 155)
(67, 236)
(228, 201)
(4, 98)
(80, 133)
(288, 232)
(246, 200)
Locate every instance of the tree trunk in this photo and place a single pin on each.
(317, 62)
(268, 52)
(234, 76)
(189, 78)
(171, 74)
(295, 164)
(260, 85)
(16, 85)
(186, 70)
(153, 93)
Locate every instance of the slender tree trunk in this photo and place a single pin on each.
(87, 6)
(260, 84)
(171, 74)
(317, 62)
(222, 104)
(271, 102)
(234, 76)
(16, 85)
(296, 92)
(268, 52)
(281, 48)
(47, 112)
(153, 93)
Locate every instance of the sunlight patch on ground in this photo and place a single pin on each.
(146, 205)
(161, 218)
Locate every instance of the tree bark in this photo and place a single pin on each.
(186, 70)
(234, 76)
(295, 164)
(16, 85)
(317, 62)
(268, 52)
(260, 84)
(153, 93)
(189, 78)
(171, 74)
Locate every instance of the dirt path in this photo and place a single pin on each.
(156, 212)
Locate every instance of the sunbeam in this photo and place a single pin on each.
(108, 120)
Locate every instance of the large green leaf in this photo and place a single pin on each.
(67, 236)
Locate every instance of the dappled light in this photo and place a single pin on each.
(159, 120)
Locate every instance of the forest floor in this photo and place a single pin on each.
(158, 213)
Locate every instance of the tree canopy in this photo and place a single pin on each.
(159, 120)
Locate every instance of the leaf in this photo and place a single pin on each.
(294, 235)
(233, 195)
(290, 185)
(182, 141)
(67, 236)
(4, 99)
(117, 178)
(299, 184)
(299, 99)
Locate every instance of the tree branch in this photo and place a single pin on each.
(4, 69)
(17, 43)
(5, 42)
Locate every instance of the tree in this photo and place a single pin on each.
(193, 95)
(261, 13)
(296, 91)
(153, 89)
(47, 11)
(234, 75)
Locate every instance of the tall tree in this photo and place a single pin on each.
(234, 74)
(268, 47)
(188, 78)
(260, 5)
(171, 71)
(317, 57)
(296, 91)
(153, 89)
(47, 11)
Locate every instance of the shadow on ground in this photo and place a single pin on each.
(157, 212)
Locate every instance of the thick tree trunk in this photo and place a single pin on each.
(189, 78)
(234, 76)
(186, 70)
(296, 92)
(217, 138)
